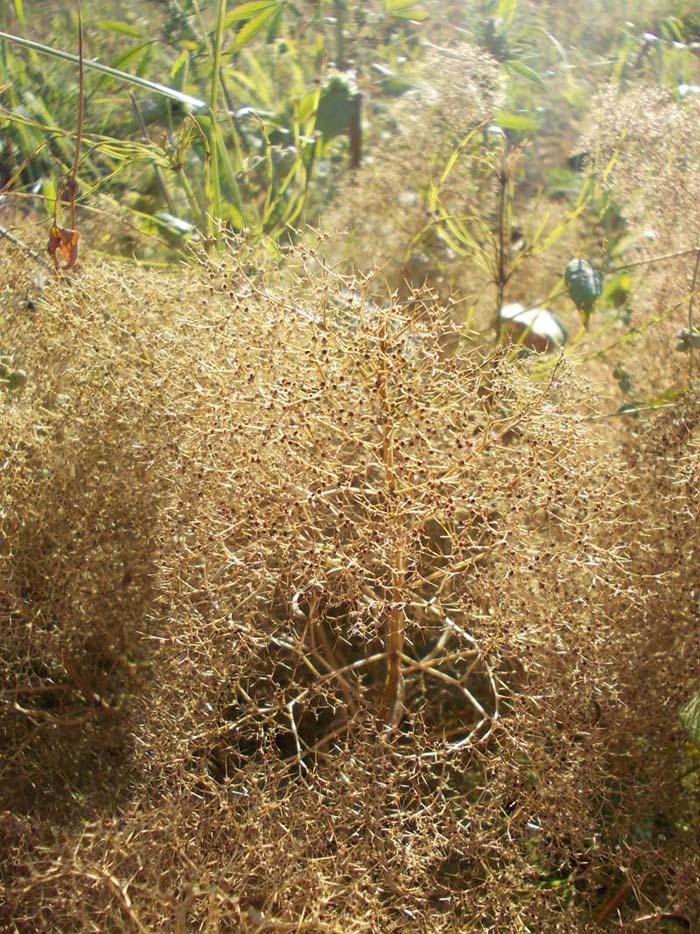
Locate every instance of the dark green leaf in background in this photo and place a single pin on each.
(585, 285)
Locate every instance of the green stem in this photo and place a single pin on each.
(160, 180)
(339, 12)
(215, 208)
(81, 107)
(161, 89)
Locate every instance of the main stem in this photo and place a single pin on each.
(691, 320)
(503, 235)
(394, 641)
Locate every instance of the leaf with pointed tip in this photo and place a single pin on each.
(585, 285)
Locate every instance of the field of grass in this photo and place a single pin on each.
(326, 606)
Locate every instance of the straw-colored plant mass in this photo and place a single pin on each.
(227, 500)
(327, 604)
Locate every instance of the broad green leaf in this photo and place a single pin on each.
(689, 715)
(585, 285)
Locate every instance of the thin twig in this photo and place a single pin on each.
(4, 232)
(691, 306)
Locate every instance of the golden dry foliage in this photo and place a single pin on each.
(223, 489)
(382, 212)
(647, 141)
(642, 148)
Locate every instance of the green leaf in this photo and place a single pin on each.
(308, 105)
(251, 28)
(124, 28)
(179, 62)
(416, 15)
(689, 715)
(672, 29)
(666, 398)
(585, 285)
(406, 9)
(247, 11)
(274, 24)
(396, 86)
(520, 122)
(505, 12)
(514, 67)
(19, 12)
(132, 55)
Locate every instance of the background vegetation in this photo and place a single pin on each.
(325, 610)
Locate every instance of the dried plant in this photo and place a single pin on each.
(650, 138)
(383, 211)
(320, 616)
(641, 153)
(312, 626)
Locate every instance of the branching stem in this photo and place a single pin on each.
(394, 684)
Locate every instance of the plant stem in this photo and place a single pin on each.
(79, 129)
(153, 86)
(394, 684)
(355, 131)
(160, 180)
(339, 12)
(502, 274)
(654, 259)
(214, 136)
(691, 308)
